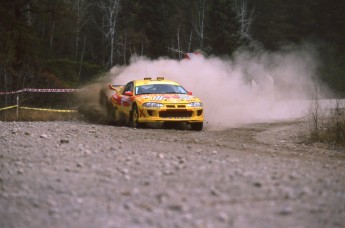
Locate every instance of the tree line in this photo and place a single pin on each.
(63, 43)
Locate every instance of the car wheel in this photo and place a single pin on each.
(105, 104)
(116, 115)
(134, 121)
(102, 99)
(197, 126)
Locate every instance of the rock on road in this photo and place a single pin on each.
(77, 174)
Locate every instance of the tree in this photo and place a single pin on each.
(72, 40)
(82, 12)
(244, 18)
(223, 28)
(17, 42)
(111, 9)
(199, 21)
(133, 37)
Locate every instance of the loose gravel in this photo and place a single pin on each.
(79, 174)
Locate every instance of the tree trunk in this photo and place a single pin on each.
(81, 58)
(199, 22)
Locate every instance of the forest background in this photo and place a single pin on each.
(66, 43)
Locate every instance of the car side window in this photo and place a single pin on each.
(129, 87)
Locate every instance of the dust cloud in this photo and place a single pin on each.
(248, 87)
(88, 100)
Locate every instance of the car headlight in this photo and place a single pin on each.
(195, 104)
(152, 105)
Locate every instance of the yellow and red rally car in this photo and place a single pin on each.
(151, 101)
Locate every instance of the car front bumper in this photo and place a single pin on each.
(172, 115)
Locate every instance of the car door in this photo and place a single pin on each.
(125, 99)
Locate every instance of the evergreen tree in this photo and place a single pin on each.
(62, 43)
(223, 28)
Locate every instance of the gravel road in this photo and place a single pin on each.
(80, 174)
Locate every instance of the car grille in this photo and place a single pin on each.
(175, 114)
(176, 106)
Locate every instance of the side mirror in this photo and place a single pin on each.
(189, 93)
(128, 93)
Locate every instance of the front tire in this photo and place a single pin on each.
(197, 126)
(134, 117)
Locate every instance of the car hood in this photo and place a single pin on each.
(168, 98)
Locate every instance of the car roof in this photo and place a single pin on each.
(150, 81)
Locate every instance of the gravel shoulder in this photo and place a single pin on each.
(79, 174)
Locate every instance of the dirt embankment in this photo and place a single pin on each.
(76, 174)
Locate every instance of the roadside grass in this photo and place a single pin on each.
(36, 115)
(327, 124)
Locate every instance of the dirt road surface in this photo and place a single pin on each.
(79, 174)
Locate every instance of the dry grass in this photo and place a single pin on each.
(328, 126)
(35, 115)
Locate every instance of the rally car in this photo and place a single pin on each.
(153, 101)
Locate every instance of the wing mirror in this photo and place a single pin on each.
(128, 93)
(189, 93)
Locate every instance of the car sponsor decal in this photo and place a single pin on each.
(141, 113)
(157, 98)
(169, 97)
(185, 97)
(125, 101)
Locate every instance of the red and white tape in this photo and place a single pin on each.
(41, 91)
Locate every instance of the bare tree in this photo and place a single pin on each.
(125, 48)
(28, 14)
(178, 49)
(316, 114)
(178, 42)
(52, 34)
(3, 71)
(190, 40)
(82, 12)
(111, 10)
(199, 22)
(244, 16)
(82, 57)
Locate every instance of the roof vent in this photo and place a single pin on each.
(147, 78)
(160, 78)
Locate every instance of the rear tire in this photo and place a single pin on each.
(197, 126)
(102, 98)
(116, 116)
(106, 106)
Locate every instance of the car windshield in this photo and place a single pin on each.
(159, 89)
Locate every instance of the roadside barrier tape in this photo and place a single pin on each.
(41, 91)
(39, 109)
(49, 110)
(7, 93)
(9, 107)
